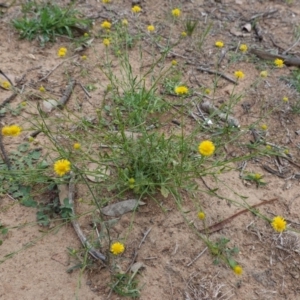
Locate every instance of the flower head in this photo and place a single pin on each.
(201, 215)
(62, 167)
(207, 91)
(176, 12)
(13, 130)
(76, 146)
(84, 57)
(106, 25)
(150, 28)
(219, 44)
(263, 74)
(42, 89)
(117, 248)
(279, 63)
(264, 126)
(238, 270)
(106, 42)
(257, 176)
(106, 1)
(136, 9)
(279, 224)
(6, 85)
(181, 90)
(124, 22)
(239, 74)
(86, 34)
(285, 99)
(243, 48)
(206, 148)
(183, 34)
(174, 62)
(62, 52)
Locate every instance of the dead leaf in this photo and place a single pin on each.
(247, 27)
(49, 105)
(164, 192)
(120, 208)
(136, 266)
(100, 173)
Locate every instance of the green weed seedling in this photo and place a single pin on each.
(47, 21)
(255, 177)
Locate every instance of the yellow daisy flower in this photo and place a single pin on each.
(42, 89)
(76, 146)
(264, 126)
(279, 63)
(183, 34)
(285, 99)
(176, 12)
(181, 90)
(243, 47)
(206, 148)
(201, 215)
(124, 22)
(174, 62)
(150, 28)
(136, 9)
(238, 270)
(279, 224)
(6, 85)
(13, 130)
(219, 44)
(106, 42)
(117, 248)
(239, 74)
(62, 167)
(106, 25)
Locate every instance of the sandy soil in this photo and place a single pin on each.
(39, 261)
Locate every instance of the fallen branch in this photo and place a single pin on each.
(65, 97)
(92, 251)
(211, 109)
(217, 73)
(220, 225)
(289, 61)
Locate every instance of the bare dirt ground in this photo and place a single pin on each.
(271, 263)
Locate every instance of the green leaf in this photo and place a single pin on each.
(36, 154)
(164, 191)
(28, 202)
(23, 147)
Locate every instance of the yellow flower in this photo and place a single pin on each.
(285, 99)
(206, 148)
(238, 270)
(30, 139)
(279, 224)
(83, 57)
(219, 44)
(106, 42)
(62, 167)
(23, 103)
(181, 90)
(239, 74)
(106, 1)
(117, 248)
(174, 62)
(279, 63)
(263, 74)
(201, 215)
(257, 176)
(6, 85)
(136, 9)
(176, 12)
(13, 130)
(207, 91)
(124, 22)
(150, 28)
(286, 151)
(264, 127)
(183, 34)
(106, 25)
(243, 48)
(62, 52)
(268, 147)
(86, 34)
(131, 180)
(76, 146)
(42, 89)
